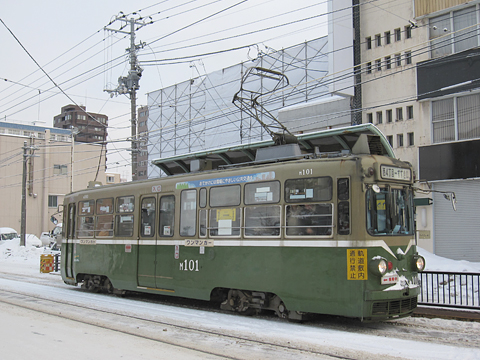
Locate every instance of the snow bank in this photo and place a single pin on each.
(438, 263)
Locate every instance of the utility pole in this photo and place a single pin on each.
(130, 84)
(23, 220)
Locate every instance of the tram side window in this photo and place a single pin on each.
(85, 221)
(309, 220)
(203, 197)
(70, 230)
(225, 221)
(262, 220)
(167, 215)
(308, 189)
(124, 218)
(148, 217)
(262, 193)
(104, 212)
(343, 208)
(188, 203)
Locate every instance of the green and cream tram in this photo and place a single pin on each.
(324, 225)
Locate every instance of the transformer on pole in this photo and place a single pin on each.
(131, 83)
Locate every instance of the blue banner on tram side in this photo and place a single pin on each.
(227, 180)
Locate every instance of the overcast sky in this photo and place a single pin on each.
(67, 39)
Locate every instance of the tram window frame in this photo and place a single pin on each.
(343, 206)
(148, 217)
(298, 190)
(124, 224)
(229, 224)
(166, 217)
(304, 220)
(104, 217)
(263, 215)
(202, 222)
(222, 196)
(71, 213)
(124, 217)
(202, 197)
(124, 206)
(265, 192)
(85, 218)
(188, 213)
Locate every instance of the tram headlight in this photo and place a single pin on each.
(419, 263)
(378, 266)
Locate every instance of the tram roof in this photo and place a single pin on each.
(339, 140)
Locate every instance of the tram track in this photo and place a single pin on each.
(428, 330)
(199, 340)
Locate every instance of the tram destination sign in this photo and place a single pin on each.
(395, 173)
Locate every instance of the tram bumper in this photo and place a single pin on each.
(390, 304)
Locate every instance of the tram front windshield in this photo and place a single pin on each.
(389, 211)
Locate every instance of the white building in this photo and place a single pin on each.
(420, 71)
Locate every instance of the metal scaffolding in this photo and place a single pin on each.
(198, 114)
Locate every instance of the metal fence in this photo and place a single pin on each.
(450, 289)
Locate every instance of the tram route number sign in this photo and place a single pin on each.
(357, 264)
(395, 173)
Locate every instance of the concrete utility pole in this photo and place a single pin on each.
(23, 219)
(130, 84)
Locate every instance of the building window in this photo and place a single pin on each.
(388, 115)
(370, 118)
(378, 40)
(379, 117)
(388, 62)
(390, 140)
(443, 120)
(387, 37)
(459, 122)
(410, 112)
(411, 139)
(369, 68)
(398, 34)
(398, 59)
(408, 57)
(408, 32)
(368, 41)
(399, 112)
(60, 169)
(453, 32)
(378, 64)
(399, 140)
(52, 201)
(110, 179)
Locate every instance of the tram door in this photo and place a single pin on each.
(69, 245)
(147, 241)
(165, 250)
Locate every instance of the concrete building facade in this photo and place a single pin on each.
(56, 167)
(420, 71)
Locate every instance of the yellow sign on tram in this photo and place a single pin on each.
(357, 264)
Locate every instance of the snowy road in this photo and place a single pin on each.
(207, 334)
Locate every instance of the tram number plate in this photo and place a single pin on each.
(394, 173)
(389, 279)
(197, 242)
